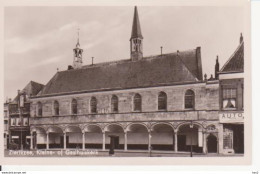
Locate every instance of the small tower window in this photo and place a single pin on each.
(74, 106)
(56, 108)
(189, 99)
(114, 103)
(137, 102)
(93, 105)
(39, 110)
(162, 101)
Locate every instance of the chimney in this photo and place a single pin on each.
(161, 50)
(178, 52)
(92, 60)
(199, 64)
(70, 67)
(241, 38)
(216, 68)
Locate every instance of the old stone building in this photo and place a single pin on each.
(159, 101)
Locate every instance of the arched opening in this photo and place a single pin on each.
(56, 108)
(117, 131)
(137, 136)
(162, 137)
(212, 144)
(162, 101)
(93, 137)
(114, 104)
(189, 99)
(93, 105)
(74, 107)
(56, 137)
(190, 135)
(39, 138)
(74, 137)
(137, 103)
(39, 109)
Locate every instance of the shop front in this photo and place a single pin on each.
(233, 131)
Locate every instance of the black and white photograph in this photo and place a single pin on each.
(107, 82)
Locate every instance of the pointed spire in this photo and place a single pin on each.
(241, 38)
(78, 45)
(216, 68)
(136, 28)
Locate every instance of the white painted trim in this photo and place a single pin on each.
(231, 76)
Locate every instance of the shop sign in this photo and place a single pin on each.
(231, 117)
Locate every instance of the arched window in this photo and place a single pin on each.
(93, 105)
(137, 102)
(189, 99)
(74, 106)
(114, 103)
(39, 109)
(162, 101)
(56, 108)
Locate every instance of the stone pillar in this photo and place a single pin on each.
(149, 140)
(104, 140)
(64, 142)
(220, 138)
(205, 149)
(47, 140)
(31, 141)
(125, 140)
(83, 140)
(175, 140)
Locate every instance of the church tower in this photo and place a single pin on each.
(77, 61)
(136, 40)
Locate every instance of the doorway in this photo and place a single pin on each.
(182, 143)
(212, 144)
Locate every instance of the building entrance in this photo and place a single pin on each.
(234, 137)
(212, 144)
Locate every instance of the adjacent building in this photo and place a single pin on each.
(231, 114)
(19, 114)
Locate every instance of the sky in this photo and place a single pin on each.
(40, 40)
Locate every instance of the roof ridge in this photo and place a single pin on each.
(232, 55)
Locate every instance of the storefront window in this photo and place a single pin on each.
(227, 139)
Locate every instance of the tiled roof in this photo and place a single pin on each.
(151, 71)
(31, 89)
(236, 61)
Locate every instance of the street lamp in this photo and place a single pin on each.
(191, 126)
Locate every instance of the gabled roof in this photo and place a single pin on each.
(236, 61)
(31, 89)
(136, 28)
(125, 74)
